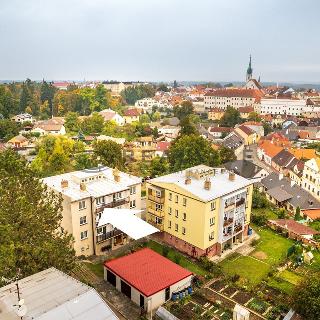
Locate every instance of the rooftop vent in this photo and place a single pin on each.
(207, 184)
(83, 186)
(64, 183)
(232, 176)
(116, 174)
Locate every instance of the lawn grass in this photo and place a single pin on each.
(179, 258)
(280, 284)
(273, 245)
(290, 276)
(96, 268)
(266, 211)
(246, 267)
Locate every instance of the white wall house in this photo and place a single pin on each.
(293, 107)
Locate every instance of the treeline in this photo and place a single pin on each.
(44, 100)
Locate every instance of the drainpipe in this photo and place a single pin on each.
(93, 225)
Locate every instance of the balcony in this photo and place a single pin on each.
(227, 222)
(240, 202)
(113, 204)
(229, 206)
(156, 212)
(238, 228)
(156, 199)
(106, 236)
(156, 224)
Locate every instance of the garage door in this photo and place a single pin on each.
(126, 289)
(111, 277)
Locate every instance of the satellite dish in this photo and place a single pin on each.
(21, 310)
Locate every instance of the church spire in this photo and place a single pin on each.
(249, 70)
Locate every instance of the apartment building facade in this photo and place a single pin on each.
(201, 210)
(311, 177)
(280, 106)
(235, 98)
(85, 195)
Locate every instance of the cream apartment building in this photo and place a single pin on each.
(311, 177)
(275, 106)
(85, 195)
(201, 210)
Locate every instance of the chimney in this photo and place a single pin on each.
(83, 186)
(64, 184)
(116, 174)
(188, 177)
(232, 176)
(280, 176)
(207, 184)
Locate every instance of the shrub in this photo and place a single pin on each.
(165, 251)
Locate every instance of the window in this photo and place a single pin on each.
(133, 190)
(211, 236)
(184, 201)
(84, 235)
(117, 196)
(211, 221)
(177, 213)
(158, 207)
(132, 204)
(83, 220)
(184, 216)
(176, 227)
(170, 196)
(169, 224)
(213, 206)
(100, 201)
(169, 210)
(177, 199)
(183, 230)
(82, 204)
(158, 194)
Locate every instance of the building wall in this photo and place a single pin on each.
(224, 102)
(311, 178)
(282, 106)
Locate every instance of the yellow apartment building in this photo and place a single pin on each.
(85, 194)
(201, 210)
(311, 177)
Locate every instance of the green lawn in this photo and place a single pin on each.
(246, 267)
(177, 257)
(267, 211)
(290, 276)
(273, 246)
(285, 281)
(96, 268)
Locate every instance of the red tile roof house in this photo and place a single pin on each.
(294, 229)
(217, 132)
(147, 278)
(162, 148)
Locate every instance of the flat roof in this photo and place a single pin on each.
(147, 271)
(220, 183)
(126, 221)
(51, 294)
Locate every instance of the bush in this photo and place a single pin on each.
(210, 266)
(254, 242)
(165, 251)
(235, 277)
(259, 219)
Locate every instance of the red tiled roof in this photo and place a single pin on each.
(131, 113)
(312, 213)
(294, 226)
(244, 93)
(246, 109)
(220, 129)
(147, 271)
(246, 130)
(163, 145)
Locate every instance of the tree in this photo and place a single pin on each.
(156, 116)
(159, 167)
(226, 154)
(259, 200)
(30, 222)
(8, 129)
(191, 150)
(134, 93)
(47, 92)
(109, 153)
(267, 128)
(230, 118)
(306, 296)
(93, 124)
(72, 123)
(297, 215)
(84, 161)
(184, 110)
(254, 116)
(162, 87)
(187, 126)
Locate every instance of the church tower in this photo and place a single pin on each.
(249, 71)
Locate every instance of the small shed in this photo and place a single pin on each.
(240, 313)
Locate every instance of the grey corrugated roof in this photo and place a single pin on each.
(279, 194)
(283, 158)
(244, 168)
(53, 295)
(300, 197)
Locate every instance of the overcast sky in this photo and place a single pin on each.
(160, 39)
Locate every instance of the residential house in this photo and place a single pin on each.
(197, 217)
(267, 150)
(23, 117)
(281, 161)
(245, 111)
(311, 214)
(215, 114)
(248, 135)
(295, 172)
(52, 294)
(235, 143)
(303, 154)
(18, 142)
(246, 169)
(219, 132)
(162, 148)
(147, 278)
(311, 177)
(131, 115)
(255, 126)
(283, 192)
(103, 137)
(142, 149)
(62, 85)
(169, 132)
(53, 126)
(85, 194)
(110, 115)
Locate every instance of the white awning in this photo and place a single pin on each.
(126, 221)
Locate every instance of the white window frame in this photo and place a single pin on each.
(84, 220)
(84, 235)
(82, 204)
